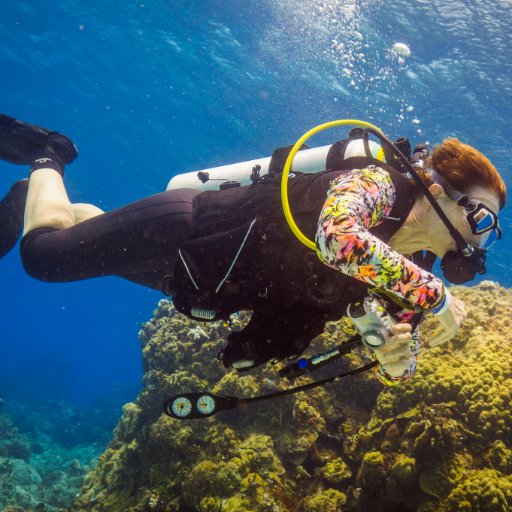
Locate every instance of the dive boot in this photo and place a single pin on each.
(22, 143)
(12, 209)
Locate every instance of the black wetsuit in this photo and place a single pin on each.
(221, 251)
(138, 242)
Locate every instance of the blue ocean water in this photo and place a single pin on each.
(151, 89)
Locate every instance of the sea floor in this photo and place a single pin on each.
(46, 451)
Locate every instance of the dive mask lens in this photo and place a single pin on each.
(491, 237)
(482, 220)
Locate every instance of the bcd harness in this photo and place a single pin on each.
(242, 255)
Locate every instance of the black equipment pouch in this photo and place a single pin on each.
(212, 271)
(226, 271)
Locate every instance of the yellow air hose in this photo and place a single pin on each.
(288, 165)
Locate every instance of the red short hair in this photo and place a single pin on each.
(462, 167)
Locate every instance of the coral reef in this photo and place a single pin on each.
(42, 466)
(440, 442)
(13, 443)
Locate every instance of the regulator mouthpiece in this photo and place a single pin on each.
(459, 268)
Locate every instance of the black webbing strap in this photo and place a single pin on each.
(278, 158)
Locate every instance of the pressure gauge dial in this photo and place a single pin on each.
(206, 404)
(181, 407)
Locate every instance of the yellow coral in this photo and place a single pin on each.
(210, 504)
(372, 473)
(336, 471)
(487, 490)
(403, 469)
(128, 421)
(500, 457)
(329, 500)
(253, 485)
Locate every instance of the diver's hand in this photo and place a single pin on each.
(451, 318)
(395, 356)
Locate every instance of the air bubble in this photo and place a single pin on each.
(401, 50)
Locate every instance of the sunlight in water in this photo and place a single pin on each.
(344, 38)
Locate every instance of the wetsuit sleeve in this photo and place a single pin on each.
(357, 201)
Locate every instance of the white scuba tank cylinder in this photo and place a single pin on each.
(307, 161)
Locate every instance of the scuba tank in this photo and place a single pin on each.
(307, 160)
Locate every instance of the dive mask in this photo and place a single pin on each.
(462, 265)
(482, 221)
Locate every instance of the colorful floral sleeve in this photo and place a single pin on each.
(357, 201)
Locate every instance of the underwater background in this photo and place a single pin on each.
(148, 90)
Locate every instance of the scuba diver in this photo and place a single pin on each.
(216, 252)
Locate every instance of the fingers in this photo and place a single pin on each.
(395, 356)
(401, 328)
(401, 334)
(459, 309)
(402, 338)
(396, 360)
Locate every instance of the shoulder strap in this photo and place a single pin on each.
(278, 158)
(403, 204)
